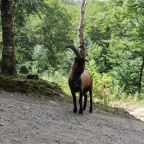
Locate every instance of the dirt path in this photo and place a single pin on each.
(134, 109)
(27, 120)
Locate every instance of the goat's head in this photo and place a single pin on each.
(78, 66)
(79, 62)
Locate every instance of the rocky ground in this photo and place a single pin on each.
(34, 120)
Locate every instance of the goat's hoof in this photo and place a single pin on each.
(90, 110)
(80, 112)
(75, 111)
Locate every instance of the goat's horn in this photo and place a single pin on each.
(72, 47)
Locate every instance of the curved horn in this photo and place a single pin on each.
(72, 47)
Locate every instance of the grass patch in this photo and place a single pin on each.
(58, 78)
(23, 85)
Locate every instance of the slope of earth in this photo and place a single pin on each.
(136, 110)
(34, 120)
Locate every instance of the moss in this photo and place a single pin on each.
(23, 85)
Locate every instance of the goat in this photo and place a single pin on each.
(80, 80)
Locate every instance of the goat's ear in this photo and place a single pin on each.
(76, 59)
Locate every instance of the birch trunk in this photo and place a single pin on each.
(80, 30)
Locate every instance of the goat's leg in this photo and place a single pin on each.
(80, 102)
(85, 101)
(90, 92)
(74, 102)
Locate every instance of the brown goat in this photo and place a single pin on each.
(80, 80)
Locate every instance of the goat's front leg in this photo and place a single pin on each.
(80, 102)
(74, 102)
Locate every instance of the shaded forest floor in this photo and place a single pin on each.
(49, 120)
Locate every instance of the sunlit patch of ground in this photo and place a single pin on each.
(135, 110)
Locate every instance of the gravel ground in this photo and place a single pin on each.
(33, 120)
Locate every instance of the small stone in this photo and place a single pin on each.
(1, 110)
(16, 140)
(1, 124)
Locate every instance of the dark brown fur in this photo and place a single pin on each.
(80, 80)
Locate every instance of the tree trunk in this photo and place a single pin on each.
(8, 52)
(141, 75)
(81, 41)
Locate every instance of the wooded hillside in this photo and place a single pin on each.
(113, 37)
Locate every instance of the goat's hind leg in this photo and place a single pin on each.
(90, 92)
(80, 102)
(85, 101)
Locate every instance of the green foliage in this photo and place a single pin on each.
(41, 40)
(113, 34)
(59, 78)
(55, 29)
(102, 83)
(117, 41)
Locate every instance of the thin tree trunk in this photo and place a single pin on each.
(80, 32)
(8, 53)
(141, 75)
